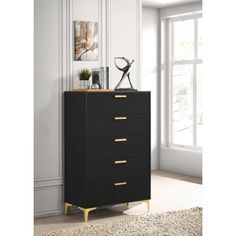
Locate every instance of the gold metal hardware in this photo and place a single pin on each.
(86, 212)
(120, 96)
(120, 162)
(120, 183)
(120, 118)
(148, 203)
(66, 206)
(120, 139)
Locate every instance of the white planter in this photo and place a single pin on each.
(84, 84)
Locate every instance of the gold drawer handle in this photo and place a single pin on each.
(119, 184)
(120, 162)
(120, 96)
(120, 118)
(120, 139)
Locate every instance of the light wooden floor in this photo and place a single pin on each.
(169, 192)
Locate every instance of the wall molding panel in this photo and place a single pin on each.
(48, 191)
(139, 41)
(49, 182)
(52, 201)
(54, 74)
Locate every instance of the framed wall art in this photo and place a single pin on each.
(85, 41)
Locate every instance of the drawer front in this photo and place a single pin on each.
(118, 103)
(106, 193)
(104, 126)
(107, 148)
(118, 169)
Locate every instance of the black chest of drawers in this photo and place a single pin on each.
(107, 148)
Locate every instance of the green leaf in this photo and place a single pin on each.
(84, 74)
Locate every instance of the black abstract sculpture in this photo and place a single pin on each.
(126, 72)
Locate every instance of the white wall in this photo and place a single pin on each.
(124, 38)
(54, 73)
(119, 36)
(149, 81)
(170, 159)
(47, 108)
(181, 161)
(180, 9)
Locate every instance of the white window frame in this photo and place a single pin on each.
(168, 80)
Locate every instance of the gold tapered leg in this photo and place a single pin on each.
(66, 206)
(148, 203)
(127, 204)
(86, 212)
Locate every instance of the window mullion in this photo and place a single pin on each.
(171, 84)
(185, 62)
(168, 35)
(195, 39)
(194, 105)
(195, 83)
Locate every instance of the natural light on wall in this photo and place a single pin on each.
(183, 78)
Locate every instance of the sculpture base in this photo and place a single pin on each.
(126, 89)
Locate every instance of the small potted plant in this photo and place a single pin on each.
(84, 76)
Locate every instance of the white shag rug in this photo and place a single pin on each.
(174, 223)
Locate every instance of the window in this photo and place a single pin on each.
(185, 81)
